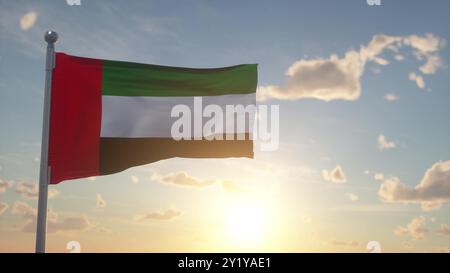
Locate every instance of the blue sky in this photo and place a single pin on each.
(316, 135)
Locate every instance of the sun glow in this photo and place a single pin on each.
(247, 224)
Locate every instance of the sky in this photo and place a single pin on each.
(364, 150)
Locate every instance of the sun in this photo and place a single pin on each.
(247, 224)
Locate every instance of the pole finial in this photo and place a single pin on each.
(51, 37)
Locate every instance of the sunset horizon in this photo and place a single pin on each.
(350, 151)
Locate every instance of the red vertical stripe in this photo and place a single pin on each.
(75, 118)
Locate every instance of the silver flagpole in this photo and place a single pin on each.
(44, 174)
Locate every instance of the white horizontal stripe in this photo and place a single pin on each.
(137, 117)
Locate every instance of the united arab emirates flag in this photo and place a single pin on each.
(107, 116)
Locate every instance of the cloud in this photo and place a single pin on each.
(30, 213)
(416, 229)
(67, 224)
(378, 177)
(353, 197)
(420, 82)
(101, 203)
(351, 243)
(55, 223)
(432, 191)
(4, 185)
(384, 144)
(134, 179)
(52, 193)
(445, 249)
(31, 191)
(3, 207)
(28, 20)
(104, 230)
(399, 57)
(336, 175)
(22, 208)
(426, 48)
(378, 44)
(27, 190)
(182, 179)
(231, 186)
(432, 65)
(390, 97)
(325, 79)
(424, 44)
(339, 77)
(444, 229)
(165, 215)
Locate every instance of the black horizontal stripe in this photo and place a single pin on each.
(118, 154)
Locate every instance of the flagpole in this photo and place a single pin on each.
(44, 175)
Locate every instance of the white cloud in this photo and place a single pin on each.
(231, 186)
(427, 47)
(182, 179)
(339, 77)
(134, 179)
(325, 79)
(424, 44)
(432, 64)
(4, 185)
(432, 191)
(420, 82)
(27, 190)
(104, 230)
(165, 215)
(336, 175)
(3, 207)
(444, 229)
(22, 208)
(353, 197)
(351, 243)
(416, 228)
(101, 203)
(31, 191)
(28, 20)
(378, 45)
(384, 144)
(52, 193)
(55, 223)
(379, 176)
(67, 224)
(399, 57)
(390, 97)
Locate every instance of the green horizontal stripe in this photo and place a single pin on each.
(134, 79)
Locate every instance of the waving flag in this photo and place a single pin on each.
(107, 116)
